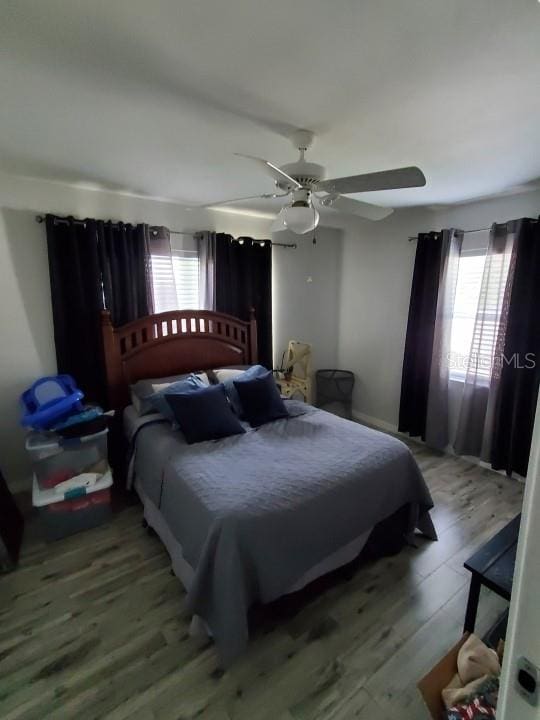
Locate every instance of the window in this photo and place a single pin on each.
(175, 281)
(479, 298)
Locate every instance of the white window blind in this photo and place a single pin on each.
(477, 313)
(175, 285)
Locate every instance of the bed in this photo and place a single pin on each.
(252, 517)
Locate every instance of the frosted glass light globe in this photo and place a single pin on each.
(300, 219)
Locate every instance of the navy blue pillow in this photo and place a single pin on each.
(260, 399)
(187, 385)
(251, 372)
(204, 414)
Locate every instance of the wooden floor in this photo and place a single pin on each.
(93, 626)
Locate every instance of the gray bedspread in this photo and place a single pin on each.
(254, 512)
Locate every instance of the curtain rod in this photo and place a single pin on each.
(415, 237)
(65, 221)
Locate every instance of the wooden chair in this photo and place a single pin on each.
(298, 363)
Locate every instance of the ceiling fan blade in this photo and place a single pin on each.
(369, 182)
(265, 196)
(272, 170)
(355, 207)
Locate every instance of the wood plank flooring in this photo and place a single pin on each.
(94, 626)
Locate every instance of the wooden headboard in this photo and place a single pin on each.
(172, 343)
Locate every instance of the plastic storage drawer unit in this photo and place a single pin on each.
(56, 459)
(65, 513)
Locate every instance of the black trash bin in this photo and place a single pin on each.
(334, 391)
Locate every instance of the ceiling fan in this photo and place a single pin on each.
(303, 182)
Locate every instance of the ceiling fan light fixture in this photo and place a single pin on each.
(279, 222)
(301, 218)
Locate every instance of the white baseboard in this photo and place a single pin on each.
(376, 422)
(389, 427)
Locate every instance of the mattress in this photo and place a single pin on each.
(256, 515)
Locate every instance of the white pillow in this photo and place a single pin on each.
(143, 389)
(156, 387)
(225, 374)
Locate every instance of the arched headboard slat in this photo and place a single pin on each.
(172, 343)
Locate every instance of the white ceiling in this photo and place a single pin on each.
(155, 96)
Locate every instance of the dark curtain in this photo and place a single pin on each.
(520, 373)
(93, 265)
(420, 334)
(77, 299)
(124, 264)
(206, 244)
(244, 280)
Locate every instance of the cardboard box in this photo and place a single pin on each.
(432, 684)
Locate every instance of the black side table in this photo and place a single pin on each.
(493, 566)
(11, 528)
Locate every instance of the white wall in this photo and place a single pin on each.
(26, 330)
(26, 344)
(306, 294)
(471, 216)
(377, 265)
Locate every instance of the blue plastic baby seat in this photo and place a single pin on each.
(50, 400)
